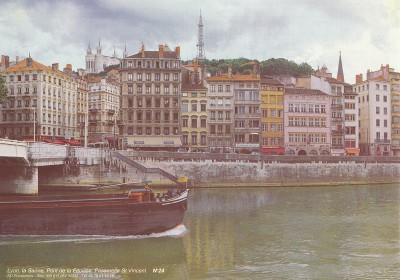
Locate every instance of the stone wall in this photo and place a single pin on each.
(282, 173)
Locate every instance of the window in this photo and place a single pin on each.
(157, 77)
(130, 77)
(290, 107)
(148, 76)
(166, 130)
(194, 123)
(175, 77)
(264, 113)
(203, 123)
(384, 98)
(139, 76)
(166, 76)
(194, 139)
(228, 88)
(378, 122)
(212, 88)
(385, 123)
(194, 107)
(377, 110)
(220, 88)
(203, 107)
(273, 113)
(385, 111)
(166, 90)
(377, 97)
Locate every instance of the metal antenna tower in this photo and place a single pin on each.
(200, 44)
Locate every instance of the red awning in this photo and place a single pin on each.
(111, 138)
(73, 142)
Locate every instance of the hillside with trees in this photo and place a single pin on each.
(272, 66)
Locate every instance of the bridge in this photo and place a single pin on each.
(20, 163)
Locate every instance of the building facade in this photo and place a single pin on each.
(374, 115)
(103, 101)
(272, 122)
(194, 119)
(389, 74)
(41, 102)
(150, 100)
(307, 119)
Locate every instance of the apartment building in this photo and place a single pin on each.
(221, 112)
(150, 100)
(374, 115)
(307, 120)
(41, 102)
(389, 74)
(272, 122)
(194, 119)
(103, 102)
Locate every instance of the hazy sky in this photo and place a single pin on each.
(367, 32)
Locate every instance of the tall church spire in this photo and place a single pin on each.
(340, 75)
(200, 44)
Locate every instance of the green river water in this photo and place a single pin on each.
(345, 232)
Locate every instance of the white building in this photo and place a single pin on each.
(374, 114)
(95, 63)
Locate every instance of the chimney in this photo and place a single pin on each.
(142, 50)
(178, 51)
(161, 51)
(29, 62)
(68, 68)
(17, 59)
(55, 66)
(230, 71)
(359, 78)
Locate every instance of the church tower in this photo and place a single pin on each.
(340, 75)
(99, 48)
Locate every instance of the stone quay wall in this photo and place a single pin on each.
(207, 173)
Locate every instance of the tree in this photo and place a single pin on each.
(3, 88)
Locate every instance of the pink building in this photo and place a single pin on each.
(307, 122)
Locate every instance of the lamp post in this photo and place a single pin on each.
(115, 122)
(86, 119)
(34, 123)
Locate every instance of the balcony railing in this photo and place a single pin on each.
(384, 141)
(337, 132)
(111, 111)
(337, 106)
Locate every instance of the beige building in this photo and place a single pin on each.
(194, 122)
(41, 93)
(150, 99)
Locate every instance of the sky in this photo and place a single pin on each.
(366, 32)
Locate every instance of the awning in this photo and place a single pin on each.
(154, 141)
(111, 138)
(73, 142)
(352, 151)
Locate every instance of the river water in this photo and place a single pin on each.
(346, 232)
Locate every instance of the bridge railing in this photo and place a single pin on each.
(41, 150)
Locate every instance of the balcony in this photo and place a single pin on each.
(110, 122)
(337, 132)
(337, 119)
(93, 110)
(112, 112)
(337, 106)
(382, 141)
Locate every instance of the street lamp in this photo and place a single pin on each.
(34, 123)
(86, 119)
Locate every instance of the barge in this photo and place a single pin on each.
(138, 212)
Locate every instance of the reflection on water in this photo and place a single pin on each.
(254, 233)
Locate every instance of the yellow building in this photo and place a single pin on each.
(194, 124)
(272, 127)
